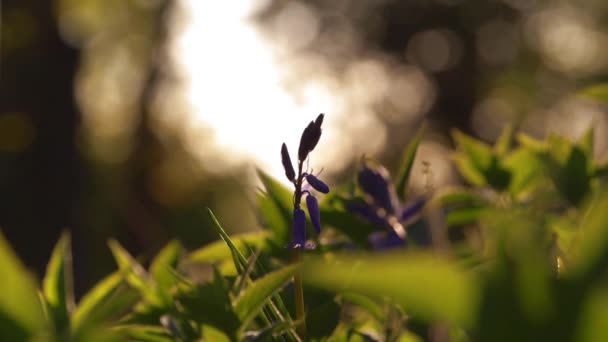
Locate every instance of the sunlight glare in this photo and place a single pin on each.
(234, 86)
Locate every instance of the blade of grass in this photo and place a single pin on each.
(407, 162)
(57, 284)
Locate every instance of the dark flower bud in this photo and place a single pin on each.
(316, 135)
(374, 180)
(319, 120)
(286, 160)
(306, 141)
(412, 209)
(299, 228)
(313, 212)
(317, 184)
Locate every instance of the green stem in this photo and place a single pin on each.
(299, 298)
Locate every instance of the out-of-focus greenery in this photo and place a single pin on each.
(519, 254)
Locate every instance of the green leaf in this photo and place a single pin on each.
(348, 224)
(218, 251)
(209, 304)
(591, 256)
(366, 303)
(135, 274)
(106, 299)
(210, 333)
(407, 161)
(597, 92)
(277, 208)
(145, 333)
(464, 216)
(239, 259)
(461, 197)
(527, 171)
(423, 284)
(468, 170)
(504, 141)
(322, 320)
(242, 264)
(586, 143)
(163, 265)
(531, 143)
(479, 153)
(57, 284)
(249, 303)
(593, 326)
(568, 167)
(21, 314)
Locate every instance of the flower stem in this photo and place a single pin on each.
(299, 297)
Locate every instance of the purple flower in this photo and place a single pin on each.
(313, 212)
(375, 182)
(317, 184)
(382, 208)
(308, 141)
(310, 138)
(299, 228)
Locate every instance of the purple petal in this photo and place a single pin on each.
(317, 184)
(313, 212)
(412, 209)
(367, 212)
(375, 181)
(385, 240)
(299, 228)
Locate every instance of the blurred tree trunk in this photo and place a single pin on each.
(40, 182)
(144, 213)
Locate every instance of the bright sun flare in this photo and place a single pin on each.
(234, 86)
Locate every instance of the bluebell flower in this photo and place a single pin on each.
(308, 141)
(299, 228)
(313, 212)
(382, 208)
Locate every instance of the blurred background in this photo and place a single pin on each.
(124, 118)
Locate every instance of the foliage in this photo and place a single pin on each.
(519, 254)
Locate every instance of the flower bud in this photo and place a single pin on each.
(317, 184)
(313, 212)
(305, 141)
(316, 135)
(310, 137)
(286, 160)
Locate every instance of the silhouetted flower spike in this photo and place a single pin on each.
(299, 228)
(305, 141)
(317, 184)
(317, 132)
(319, 120)
(287, 165)
(310, 137)
(313, 212)
(374, 180)
(302, 181)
